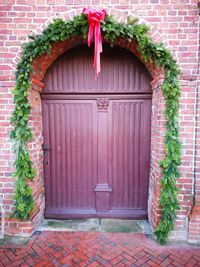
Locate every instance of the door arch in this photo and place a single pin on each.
(97, 133)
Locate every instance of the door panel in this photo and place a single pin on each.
(129, 152)
(98, 159)
(70, 166)
(121, 71)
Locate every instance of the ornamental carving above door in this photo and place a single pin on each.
(102, 103)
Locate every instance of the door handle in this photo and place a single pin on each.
(45, 149)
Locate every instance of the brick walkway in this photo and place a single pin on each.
(96, 249)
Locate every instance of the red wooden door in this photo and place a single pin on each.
(70, 164)
(128, 165)
(98, 136)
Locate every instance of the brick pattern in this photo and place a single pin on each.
(96, 249)
(157, 150)
(194, 218)
(173, 22)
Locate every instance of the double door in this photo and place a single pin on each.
(97, 155)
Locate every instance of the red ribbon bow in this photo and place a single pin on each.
(94, 20)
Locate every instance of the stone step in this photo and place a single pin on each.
(96, 225)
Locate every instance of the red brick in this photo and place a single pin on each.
(150, 253)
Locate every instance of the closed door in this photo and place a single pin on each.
(96, 136)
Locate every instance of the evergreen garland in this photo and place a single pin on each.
(61, 30)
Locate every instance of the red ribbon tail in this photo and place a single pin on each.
(90, 33)
(94, 20)
(98, 49)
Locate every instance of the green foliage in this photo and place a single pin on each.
(61, 30)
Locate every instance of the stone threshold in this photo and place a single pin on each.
(97, 225)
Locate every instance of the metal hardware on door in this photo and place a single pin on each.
(45, 149)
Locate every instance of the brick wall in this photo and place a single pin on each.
(175, 22)
(194, 218)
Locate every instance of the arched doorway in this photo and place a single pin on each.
(96, 135)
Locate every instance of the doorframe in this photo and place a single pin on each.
(41, 64)
(157, 124)
(138, 213)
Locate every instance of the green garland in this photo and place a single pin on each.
(156, 53)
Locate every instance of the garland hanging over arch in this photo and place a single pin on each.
(156, 53)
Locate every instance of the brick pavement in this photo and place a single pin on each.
(96, 249)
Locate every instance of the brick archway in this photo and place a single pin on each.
(157, 132)
(39, 67)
